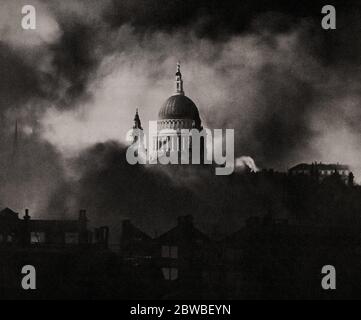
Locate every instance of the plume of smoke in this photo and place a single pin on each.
(245, 163)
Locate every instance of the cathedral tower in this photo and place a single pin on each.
(178, 112)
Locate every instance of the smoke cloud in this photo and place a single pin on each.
(289, 89)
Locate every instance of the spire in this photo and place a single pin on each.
(137, 123)
(179, 81)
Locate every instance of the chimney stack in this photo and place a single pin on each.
(26, 229)
(27, 216)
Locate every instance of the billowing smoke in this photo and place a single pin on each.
(154, 195)
(289, 89)
(274, 88)
(245, 163)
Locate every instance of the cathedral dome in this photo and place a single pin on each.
(179, 107)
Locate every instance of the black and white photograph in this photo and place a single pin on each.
(178, 150)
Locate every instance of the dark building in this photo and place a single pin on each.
(30, 232)
(321, 171)
(268, 258)
(183, 254)
(135, 245)
(183, 258)
(144, 278)
(71, 262)
(273, 259)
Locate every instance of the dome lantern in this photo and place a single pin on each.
(179, 111)
(179, 81)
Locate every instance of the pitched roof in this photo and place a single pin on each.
(189, 233)
(7, 212)
(130, 232)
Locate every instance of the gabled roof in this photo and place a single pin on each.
(8, 213)
(190, 233)
(130, 232)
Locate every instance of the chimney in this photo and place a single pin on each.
(27, 216)
(26, 229)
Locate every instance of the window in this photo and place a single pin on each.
(37, 237)
(71, 238)
(170, 273)
(170, 252)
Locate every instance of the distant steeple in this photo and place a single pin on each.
(136, 136)
(179, 81)
(137, 123)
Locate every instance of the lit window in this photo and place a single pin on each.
(170, 273)
(170, 252)
(37, 237)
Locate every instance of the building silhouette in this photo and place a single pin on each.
(267, 258)
(320, 171)
(27, 232)
(184, 259)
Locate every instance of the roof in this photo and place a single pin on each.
(180, 233)
(320, 166)
(8, 213)
(179, 107)
(130, 232)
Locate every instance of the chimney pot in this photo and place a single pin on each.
(27, 216)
